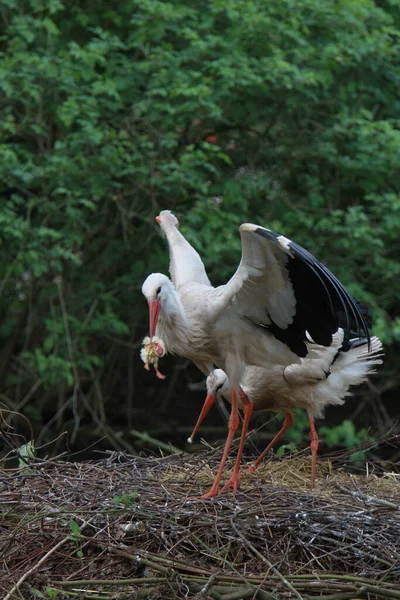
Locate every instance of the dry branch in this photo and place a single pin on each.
(275, 539)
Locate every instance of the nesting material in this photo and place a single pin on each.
(152, 350)
(123, 527)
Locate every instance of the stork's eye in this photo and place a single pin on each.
(219, 387)
(158, 290)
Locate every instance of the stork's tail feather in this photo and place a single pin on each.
(326, 353)
(376, 346)
(317, 364)
(345, 368)
(349, 368)
(359, 361)
(352, 368)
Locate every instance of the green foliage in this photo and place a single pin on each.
(286, 448)
(126, 499)
(52, 593)
(76, 535)
(75, 530)
(26, 452)
(106, 117)
(344, 434)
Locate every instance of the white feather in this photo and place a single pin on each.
(271, 389)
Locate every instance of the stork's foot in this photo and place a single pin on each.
(214, 491)
(250, 469)
(233, 482)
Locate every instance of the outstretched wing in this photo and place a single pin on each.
(284, 289)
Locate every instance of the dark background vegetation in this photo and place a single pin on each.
(281, 112)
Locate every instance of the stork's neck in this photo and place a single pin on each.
(173, 327)
(185, 263)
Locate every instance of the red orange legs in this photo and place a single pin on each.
(314, 449)
(288, 422)
(233, 424)
(234, 481)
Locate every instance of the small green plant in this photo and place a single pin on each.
(75, 535)
(126, 499)
(344, 434)
(75, 531)
(26, 452)
(286, 449)
(52, 593)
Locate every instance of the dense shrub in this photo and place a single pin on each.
(283, 112)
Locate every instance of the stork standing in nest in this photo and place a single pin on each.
(277, 388)
(279, 297)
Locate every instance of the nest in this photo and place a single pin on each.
(132, 527)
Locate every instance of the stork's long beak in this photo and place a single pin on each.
(154, 310)
(158, 220)
(208, 403)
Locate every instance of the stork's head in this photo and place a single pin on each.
(166, 219)
(155, 289)
(218, 384)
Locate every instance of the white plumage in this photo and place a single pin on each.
(278, 388)
(279, 296)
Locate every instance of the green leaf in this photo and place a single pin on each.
(126, 499)
(76, 532)
(286, 448)
(26, 453)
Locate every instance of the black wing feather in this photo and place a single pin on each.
(322, 302)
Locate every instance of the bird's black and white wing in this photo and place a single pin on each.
(282, 288)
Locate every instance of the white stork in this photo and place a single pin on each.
(278, 388)
(279, 295)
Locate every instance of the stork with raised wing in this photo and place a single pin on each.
(277, 388)
(279, 297)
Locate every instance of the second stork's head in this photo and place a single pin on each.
(218, 384)
(155, 290)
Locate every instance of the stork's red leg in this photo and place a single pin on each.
(234, 481)
(208, 403)
(288, 422)
(233, 424)
(314, 448)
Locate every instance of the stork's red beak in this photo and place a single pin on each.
(158, 220)
(154, 310)
(208, 403)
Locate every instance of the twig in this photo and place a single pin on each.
(204, 590)
(385, 593)
(42, 560)
(265, 560)
(144, 561)
(340, 596)
(239, 594)
(35, 567)
(368, 498)
(107, 582)
(86, 594)
(145, 437)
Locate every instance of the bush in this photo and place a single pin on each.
(283, 113)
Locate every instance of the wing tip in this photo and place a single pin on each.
(249, 227)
